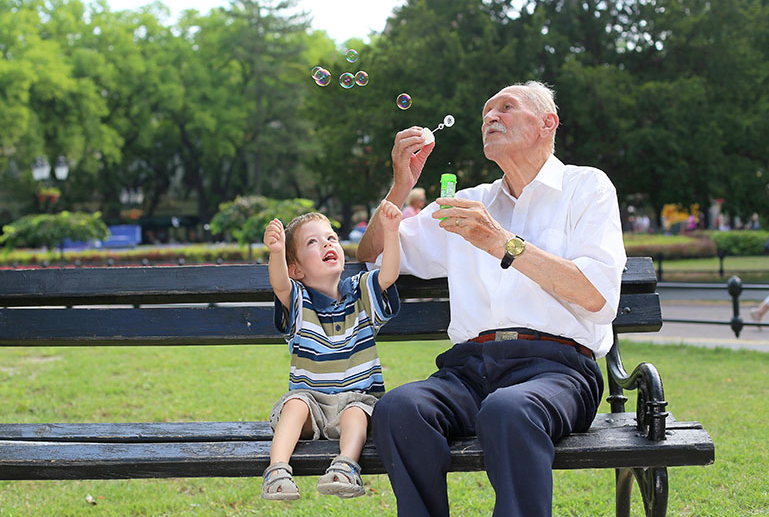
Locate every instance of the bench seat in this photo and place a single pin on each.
(232, 305)
(235, 449)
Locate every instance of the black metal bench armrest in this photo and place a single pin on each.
(650, 403)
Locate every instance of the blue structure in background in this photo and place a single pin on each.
(121, 236)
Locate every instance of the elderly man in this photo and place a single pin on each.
(534, 262)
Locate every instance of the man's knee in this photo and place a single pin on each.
(514, 411)
(394, 405)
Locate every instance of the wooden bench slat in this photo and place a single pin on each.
(608, 447)
(237, 324)
(206, 284)
(639, 276)
(124, 432)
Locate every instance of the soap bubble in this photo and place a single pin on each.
(352, 55)
(448, 120)
(318, 71)
(322, 77)
(404, 101)
(361, 78)
(347, 80)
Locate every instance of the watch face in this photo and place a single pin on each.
(514, 246)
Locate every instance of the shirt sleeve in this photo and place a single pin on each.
(423, 245)
(381, 306)
(597, 248)
(288, 319)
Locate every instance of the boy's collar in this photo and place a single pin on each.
(320, 299)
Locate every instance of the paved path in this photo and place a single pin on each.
(711, 336)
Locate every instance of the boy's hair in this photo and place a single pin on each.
(293, 227)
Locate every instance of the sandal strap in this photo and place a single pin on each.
(289, 472)
(335, 466)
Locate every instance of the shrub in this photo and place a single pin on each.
(693, 247)
(741, 242)
(51, 229)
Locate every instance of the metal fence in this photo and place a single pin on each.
(735, 288)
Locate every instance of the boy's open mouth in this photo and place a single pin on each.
(329, 256)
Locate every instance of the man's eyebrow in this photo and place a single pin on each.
(500, 97)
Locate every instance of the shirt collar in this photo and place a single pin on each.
(321, 300)
(550, 175)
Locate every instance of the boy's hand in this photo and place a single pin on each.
(391, 216)
(275, 237)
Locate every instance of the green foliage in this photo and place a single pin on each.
(246, 217)
(669, 98)
(741, 242)
(52, 229)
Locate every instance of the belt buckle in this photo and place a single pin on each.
(505, 335)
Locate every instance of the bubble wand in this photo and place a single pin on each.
(429, 135)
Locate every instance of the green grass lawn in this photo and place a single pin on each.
(725, 390)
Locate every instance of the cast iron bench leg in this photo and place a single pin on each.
(653, 485)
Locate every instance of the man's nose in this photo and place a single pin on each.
(488, 119)
(490, 116)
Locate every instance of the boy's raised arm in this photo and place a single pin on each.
(391, 255)
(275, 240)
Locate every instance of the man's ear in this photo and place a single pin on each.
(549, 124)
(294, 272)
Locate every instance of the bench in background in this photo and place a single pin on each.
(213, 305)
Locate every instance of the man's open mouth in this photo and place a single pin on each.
(494, 128)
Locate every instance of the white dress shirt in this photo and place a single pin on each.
(567, 210)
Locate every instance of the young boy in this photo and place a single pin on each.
(329, 325)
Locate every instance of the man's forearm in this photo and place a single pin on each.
(372, 242)
(559, 277)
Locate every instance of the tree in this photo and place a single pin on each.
(246, 217)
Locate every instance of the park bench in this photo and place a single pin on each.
(232, 304)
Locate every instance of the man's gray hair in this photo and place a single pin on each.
(541, 95)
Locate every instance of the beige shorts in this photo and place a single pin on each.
(325, 409)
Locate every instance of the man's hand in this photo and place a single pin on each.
(275, 237)
(407, 166)
(472, 221)
(391, 216)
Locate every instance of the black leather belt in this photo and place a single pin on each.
(524, 333)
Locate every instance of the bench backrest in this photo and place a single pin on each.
(227, 304)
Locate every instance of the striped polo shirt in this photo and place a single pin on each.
(332, 342)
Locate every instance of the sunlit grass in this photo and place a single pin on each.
(725, 390)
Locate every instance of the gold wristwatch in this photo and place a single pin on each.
(513, 249)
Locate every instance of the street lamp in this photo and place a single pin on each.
(61, 170)
(41, 169)
(132, 199)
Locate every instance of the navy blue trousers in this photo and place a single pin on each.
(516, 396)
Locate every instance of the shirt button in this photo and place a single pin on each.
(338, 328)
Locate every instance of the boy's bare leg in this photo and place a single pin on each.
(353, 426)
(293, 424)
